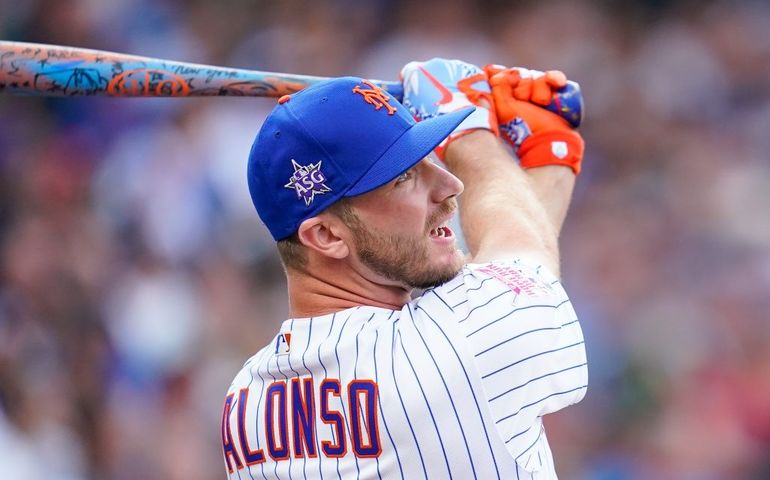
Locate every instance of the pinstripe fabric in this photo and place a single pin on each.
(454, 385)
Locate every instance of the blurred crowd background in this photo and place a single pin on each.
(135, 277)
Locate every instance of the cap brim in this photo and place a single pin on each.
(411, 147)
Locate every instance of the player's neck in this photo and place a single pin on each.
(338, 287)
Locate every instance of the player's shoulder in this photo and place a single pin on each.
(521, 277)
(493, 288)
(245, 375)
(524, 277)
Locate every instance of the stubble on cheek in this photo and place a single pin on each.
(404, 259)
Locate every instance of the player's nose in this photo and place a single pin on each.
(444, 185)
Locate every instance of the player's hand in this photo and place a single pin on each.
(441, 86)
(538, 136)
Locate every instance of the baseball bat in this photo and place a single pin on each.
(53, 70)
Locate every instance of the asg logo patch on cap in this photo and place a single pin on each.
(307, 181)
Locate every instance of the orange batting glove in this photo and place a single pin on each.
(538, 136)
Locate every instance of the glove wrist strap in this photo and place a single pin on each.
(552, 147)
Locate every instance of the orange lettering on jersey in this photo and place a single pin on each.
(375, 96)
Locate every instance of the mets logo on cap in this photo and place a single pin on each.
(307, 181)
(374, 95)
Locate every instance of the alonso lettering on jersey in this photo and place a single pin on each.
(290, 417)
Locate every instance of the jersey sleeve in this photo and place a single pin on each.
(526, 341)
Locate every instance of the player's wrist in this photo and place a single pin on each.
(476, 121)
(466, 148)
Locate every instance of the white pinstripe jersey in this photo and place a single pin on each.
(453, 385)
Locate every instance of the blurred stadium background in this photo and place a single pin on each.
(135, 278)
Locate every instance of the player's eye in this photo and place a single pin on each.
(407, 175)
(404, 176)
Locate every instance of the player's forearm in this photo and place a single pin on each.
(500, 213)
(553, 185)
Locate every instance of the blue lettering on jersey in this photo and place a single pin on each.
(297, 402)
(227, 438)
(366, 440)
(252, 457)
(333, 418)
(303, 416)
(277, 448)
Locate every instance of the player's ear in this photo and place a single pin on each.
(324, 234)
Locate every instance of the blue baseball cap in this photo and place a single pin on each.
(338, 138)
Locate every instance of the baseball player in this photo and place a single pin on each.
(365, 381)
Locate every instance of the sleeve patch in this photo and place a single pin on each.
(519, 282)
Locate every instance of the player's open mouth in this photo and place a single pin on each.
(441, 232)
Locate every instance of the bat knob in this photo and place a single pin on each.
(568, 104)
